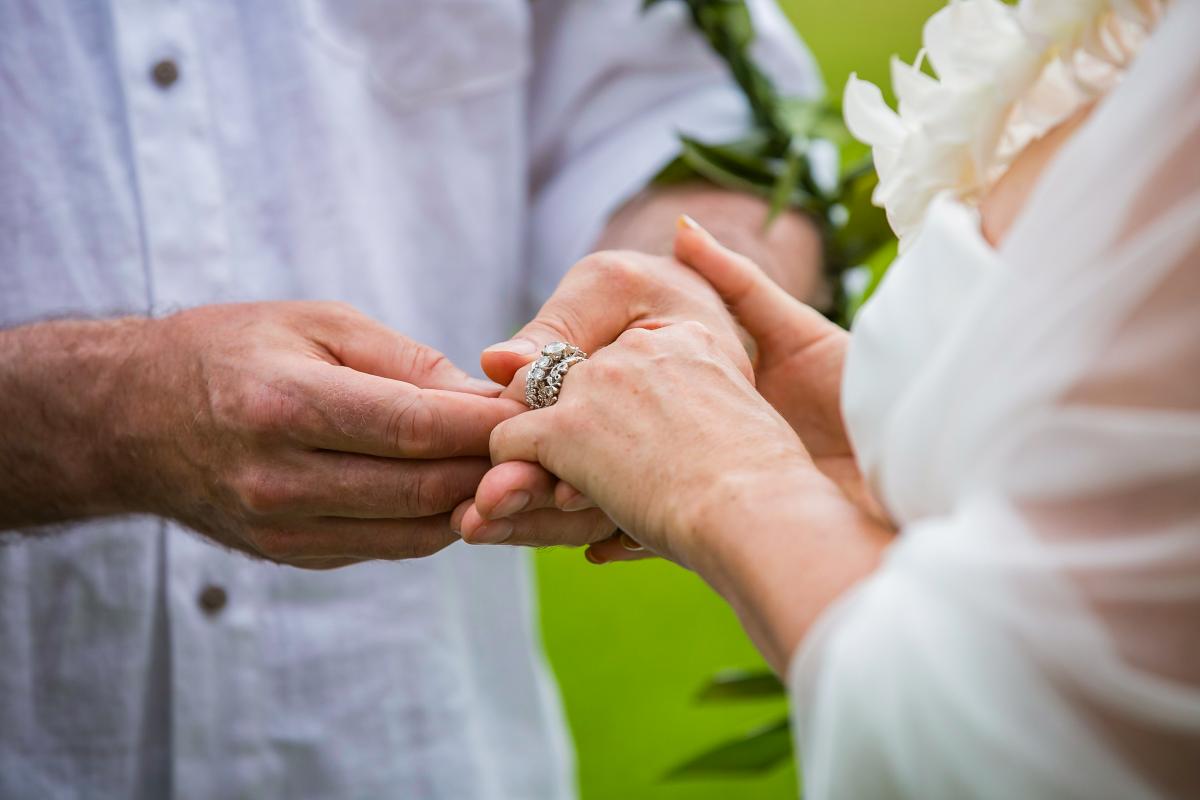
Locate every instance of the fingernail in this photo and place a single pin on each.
(594, 557)
(511, 504)
(522, 347)
(457, 516)
(687, 223)
(629, 543)
(577, 503)
(493, 532)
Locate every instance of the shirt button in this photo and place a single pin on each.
(212, 599)
(165, 73)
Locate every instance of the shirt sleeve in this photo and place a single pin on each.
(611, 89)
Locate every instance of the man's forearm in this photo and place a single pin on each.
(789, 250)
(63, 387)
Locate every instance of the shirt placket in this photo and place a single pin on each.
(174, 150)
(211, 605)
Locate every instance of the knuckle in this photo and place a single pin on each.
(563, 322)
(601, 527)
(413, 425)
(276, 544)
(418, 542)
(606, 371)
(413, 360)
(429, 543)
(696, 331)
(425, 493)
(426, 361)
(262, 493)
(266, 409)
(331, 317)
(636, 338)
(617, 269)
(340, 309)
(611, 363)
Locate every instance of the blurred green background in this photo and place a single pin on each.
(633, 643)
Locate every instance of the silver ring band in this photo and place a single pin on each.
(547, 372)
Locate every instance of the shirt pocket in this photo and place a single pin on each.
(419, 52)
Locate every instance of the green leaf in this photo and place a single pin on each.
(741, 684)
(723, 170)
(729, 21)
(866, 228)
(785, 185)
(744, 157)
(813, 119)
(754, 753)
(676, 171)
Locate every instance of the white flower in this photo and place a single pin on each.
(1005, 76)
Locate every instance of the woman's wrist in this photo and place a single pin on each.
(781, 546)
(716, 530)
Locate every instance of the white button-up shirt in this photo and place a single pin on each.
(437, 163)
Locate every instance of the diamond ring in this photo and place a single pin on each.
(546, 374)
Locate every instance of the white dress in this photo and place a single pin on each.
(1030, 417)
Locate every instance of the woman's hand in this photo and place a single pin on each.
(602, 296)
(800, 354)
(672, 441)
(657, 429)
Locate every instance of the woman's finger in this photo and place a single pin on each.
(591, 307)
(515, 390)
(520, 438)
(512, 487)
(568, 498)
(540, 528)
(602, 296)
(763, 308)
(516, 486)
(618, 547)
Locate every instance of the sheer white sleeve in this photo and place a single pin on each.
(1035, 630)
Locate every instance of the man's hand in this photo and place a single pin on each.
(303, 433)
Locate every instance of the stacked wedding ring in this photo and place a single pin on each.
(546, 374)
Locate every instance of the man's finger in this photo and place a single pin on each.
(363, 344)
(335, 538)
(331, 484)
(342, 409)
(541, 528)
